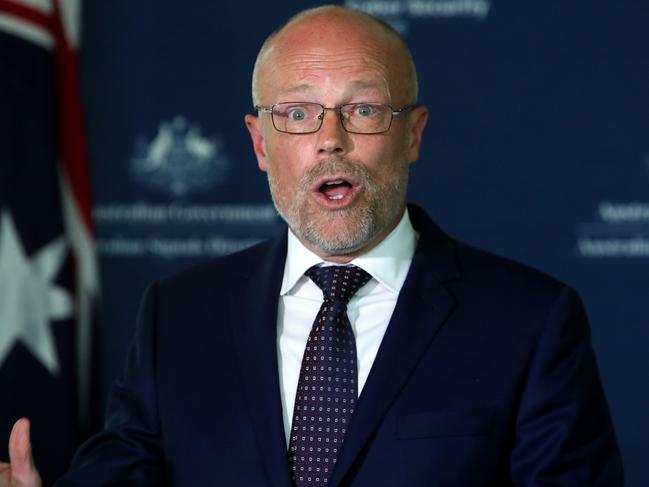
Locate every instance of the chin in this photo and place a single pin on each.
(339, 235)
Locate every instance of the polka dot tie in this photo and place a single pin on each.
(327, 387)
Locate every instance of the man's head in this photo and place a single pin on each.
(340, 192)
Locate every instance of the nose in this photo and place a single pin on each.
(332, 137)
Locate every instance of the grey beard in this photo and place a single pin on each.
(364, 222)
(364, 228)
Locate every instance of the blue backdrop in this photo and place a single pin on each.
(537, 148)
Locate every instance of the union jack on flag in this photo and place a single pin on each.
(48, 269)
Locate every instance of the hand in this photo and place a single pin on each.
(21, 471)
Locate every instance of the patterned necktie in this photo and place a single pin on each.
(327, 387)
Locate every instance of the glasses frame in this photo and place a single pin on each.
(393, 113)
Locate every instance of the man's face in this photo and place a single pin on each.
(340, 193)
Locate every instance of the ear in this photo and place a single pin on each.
(257, 136)
(417, 117)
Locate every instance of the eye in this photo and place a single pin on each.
(296, 114)
(365, 110)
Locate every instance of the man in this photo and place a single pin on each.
(441, 365)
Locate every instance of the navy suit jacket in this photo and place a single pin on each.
(485, 377)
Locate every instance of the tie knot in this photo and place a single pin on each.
(338, 282)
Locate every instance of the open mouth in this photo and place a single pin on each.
(335, 191)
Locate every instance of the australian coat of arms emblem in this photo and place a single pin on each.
(179, 159)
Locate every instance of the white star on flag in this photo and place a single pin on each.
(29, 297)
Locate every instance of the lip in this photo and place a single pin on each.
(346, 200)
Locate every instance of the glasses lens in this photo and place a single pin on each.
(366, 118)
(297, 117)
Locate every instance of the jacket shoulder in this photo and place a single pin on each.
(477, 264)
(477, 271)
(223, 270)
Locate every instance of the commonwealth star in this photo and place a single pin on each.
(29, 297)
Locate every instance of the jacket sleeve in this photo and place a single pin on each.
(564, 433)
(129, 449)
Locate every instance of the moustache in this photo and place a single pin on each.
(337, 166)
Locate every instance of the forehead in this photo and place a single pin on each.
(332, 54)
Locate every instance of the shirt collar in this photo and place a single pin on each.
(388, 262)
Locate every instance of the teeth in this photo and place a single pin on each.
(330, 183)
(336, 197)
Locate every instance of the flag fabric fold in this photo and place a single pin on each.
(48, 271)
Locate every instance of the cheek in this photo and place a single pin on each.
(386, 159)
(284, 162)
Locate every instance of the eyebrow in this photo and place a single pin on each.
(298, 89)
(361, 84)
(353, 86)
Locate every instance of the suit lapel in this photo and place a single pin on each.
(253, 307)
(422, 308)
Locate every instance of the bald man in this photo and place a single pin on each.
(363, 346)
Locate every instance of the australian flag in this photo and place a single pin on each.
(48, 273)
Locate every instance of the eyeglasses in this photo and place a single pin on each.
(356, 118)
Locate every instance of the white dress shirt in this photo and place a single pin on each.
(369, 310)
